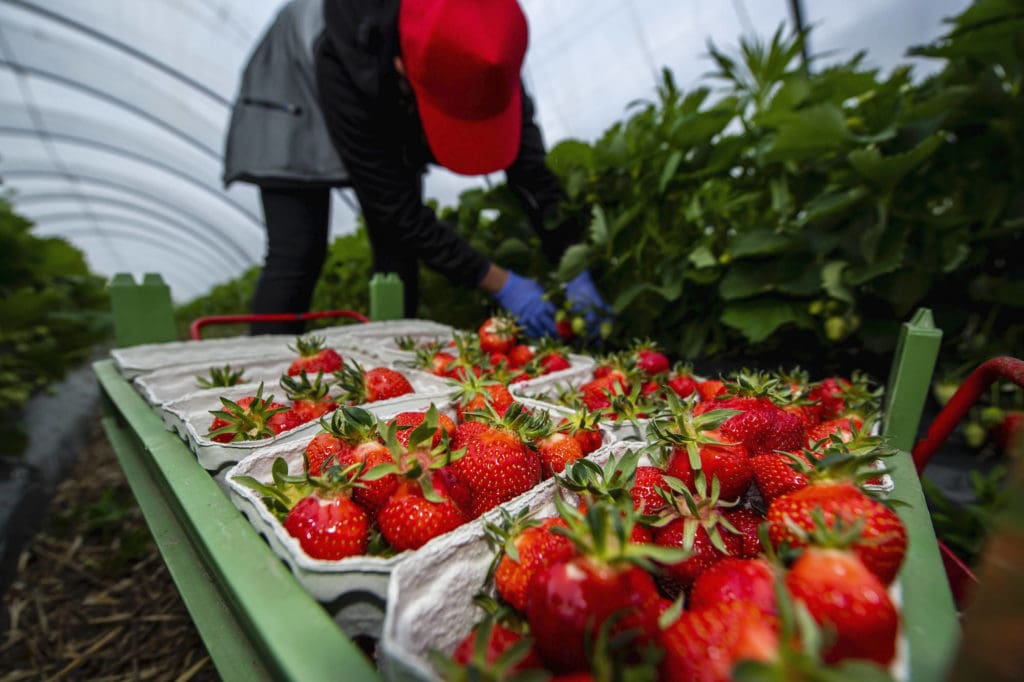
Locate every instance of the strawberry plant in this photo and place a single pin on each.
(53, 312)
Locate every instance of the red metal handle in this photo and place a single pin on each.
(195, 329)
(1010, 369)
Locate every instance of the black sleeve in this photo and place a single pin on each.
(389, 186)
(540, 191)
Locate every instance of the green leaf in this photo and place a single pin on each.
(598, 226)
(807, 133)
(761, 242)
(671, 165)
(702, 257)
(757, 319)
(752, 278)
(829, 203)
(832, 281)
(574, 261)
(511, 248)
(886, 172)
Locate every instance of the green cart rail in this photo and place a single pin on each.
(259, 623)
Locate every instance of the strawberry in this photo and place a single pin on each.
(519, 356)
(483, 654)
(221, 377)
(498, 333)
(705, 645)
(436, 361)
(583, 426)
(776, 475)
(409, 519)
(358, 386)
(695, 445)
(353, 437)
(329, 526)
(313, 357)
(596, 394)
(729, 464)
(474, 394)
(251, 418)
(682, 384)
(710, 389)
(730, 580)
(650, 361)
(766, 429)
(747, 523)
(845, 597)
(310, 400)
(526, 547)
(570, 600)
(645, 495)
(407, 421)
(845, 427)
(497, 465)
(556, 451)
(883, 540)
(553, 362)
(696, 526)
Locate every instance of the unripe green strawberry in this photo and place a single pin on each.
(579, 325)
(974, 434)
(944, 390)
(835, 328)
(991, 416)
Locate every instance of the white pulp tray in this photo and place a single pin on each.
(430, 600)
(378, 338)
(354, 588)
(149, 357)
(190, 417)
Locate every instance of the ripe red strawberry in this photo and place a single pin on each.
(499, 640)
(710, 389)
(728, 463)
(498, 333)
(554, 362)
(438, 362)
(323, 447)
(284, 421)
(583, 426)
(313, 357)
(775, 476)
(525, 552)
(496, 466)
(310, 399)
(845, 427)
(847, 598)
(705, 645)
(747, 580)
(569, 601)
(596, 393)
(351, 439)
(407, 421)
(474, 394)
(651, 361)
(251, 418)
(329, 526)
(766, 428)
(556, 451)
(828, 396)
(883, 541)
(408, 520)
(645, 495)
(747, 523)
(683, 385)
(519, 355)
(358, 386)
(704, 552)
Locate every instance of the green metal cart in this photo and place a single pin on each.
(258, 623)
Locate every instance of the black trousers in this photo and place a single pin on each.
(298, 220)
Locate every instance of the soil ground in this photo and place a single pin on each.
(93, 599)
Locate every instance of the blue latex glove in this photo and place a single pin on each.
(585, 299)
(524, 298)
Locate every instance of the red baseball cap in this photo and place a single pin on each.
(462, 59)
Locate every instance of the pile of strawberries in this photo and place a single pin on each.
(255, 417)
(742, 534)
(496, 350)
(371, 485)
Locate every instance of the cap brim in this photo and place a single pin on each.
(474, 147)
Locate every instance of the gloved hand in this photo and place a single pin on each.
(585, 299)
(524, 298)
